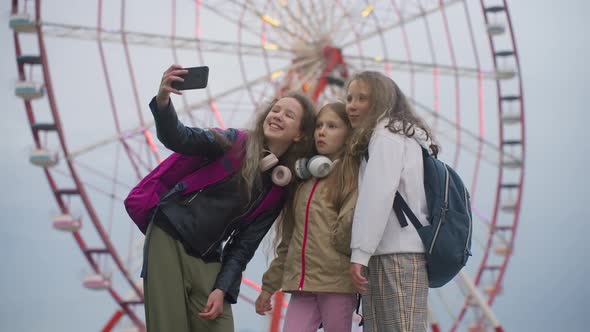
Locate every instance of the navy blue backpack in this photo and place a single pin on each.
(447, 239)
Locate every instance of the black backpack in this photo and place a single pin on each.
(447, 239)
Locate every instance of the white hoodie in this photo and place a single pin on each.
(395, 164)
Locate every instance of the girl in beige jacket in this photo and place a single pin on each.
(313, 256)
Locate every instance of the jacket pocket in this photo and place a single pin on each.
(341, 233)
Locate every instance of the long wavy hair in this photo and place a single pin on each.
(256, 142)
(341, 183)
(342, 180)
(386, 101)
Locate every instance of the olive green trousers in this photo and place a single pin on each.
(177, 286)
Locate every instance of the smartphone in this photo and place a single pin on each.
(196, 78)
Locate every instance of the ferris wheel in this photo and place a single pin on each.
(85, 81)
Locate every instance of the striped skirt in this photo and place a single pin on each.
(396, 299)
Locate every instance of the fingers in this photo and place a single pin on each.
(212, 310)
(263, 307)
(262, 310)
(172, 67)
(362, 289)
(263, 303)
(214, 306)
(169, 89)
(172, 74)
(359, 282)
(359, 287)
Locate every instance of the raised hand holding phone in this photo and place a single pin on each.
(176, 78)
(195, 78)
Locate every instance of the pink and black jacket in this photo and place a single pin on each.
(195, 196)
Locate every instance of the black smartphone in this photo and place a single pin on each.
(196, 78)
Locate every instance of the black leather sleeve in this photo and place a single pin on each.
(239, 251)
(186, 140)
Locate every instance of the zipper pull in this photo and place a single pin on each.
(193, 197)
(443, 213)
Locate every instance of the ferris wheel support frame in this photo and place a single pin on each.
(507, 171)
(79, 190)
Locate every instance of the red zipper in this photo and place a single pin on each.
(305, 234)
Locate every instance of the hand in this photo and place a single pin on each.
(170, 75)
(263, 304)
(359, 282)
(214, 306)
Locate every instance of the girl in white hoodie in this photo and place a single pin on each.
(388, 264)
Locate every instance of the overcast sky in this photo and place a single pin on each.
(545, 288)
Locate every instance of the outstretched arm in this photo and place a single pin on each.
(173, 133)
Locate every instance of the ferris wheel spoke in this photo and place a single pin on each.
(204, 104)
(261, 79)
(378, 62)
(92, 187)
(103, 175)
(155, 40)
(232, 12)
(330, 22)
(491, 152)
(286, 14)
(406, 18)
(123, 136)
(313, 18)
(444, 300)
(278, 26)
(135, 133)
(480, 240)
(320, 16)
(362, 18)
(479, 300)
(311, 74)
(447, 136)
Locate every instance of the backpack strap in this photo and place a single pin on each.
(216, 170)
(359, 298)
(272, 199)
(400, 207)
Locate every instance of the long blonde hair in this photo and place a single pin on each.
(341, 183)
(386, 101)
(255, 144)
(342, 180)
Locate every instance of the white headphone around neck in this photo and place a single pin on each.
(317, 166)
(281, 175)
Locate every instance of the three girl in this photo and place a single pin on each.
(189, 288)
(314, 252)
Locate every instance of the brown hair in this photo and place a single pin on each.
(386, 101)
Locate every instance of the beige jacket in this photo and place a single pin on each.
(314, 253)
